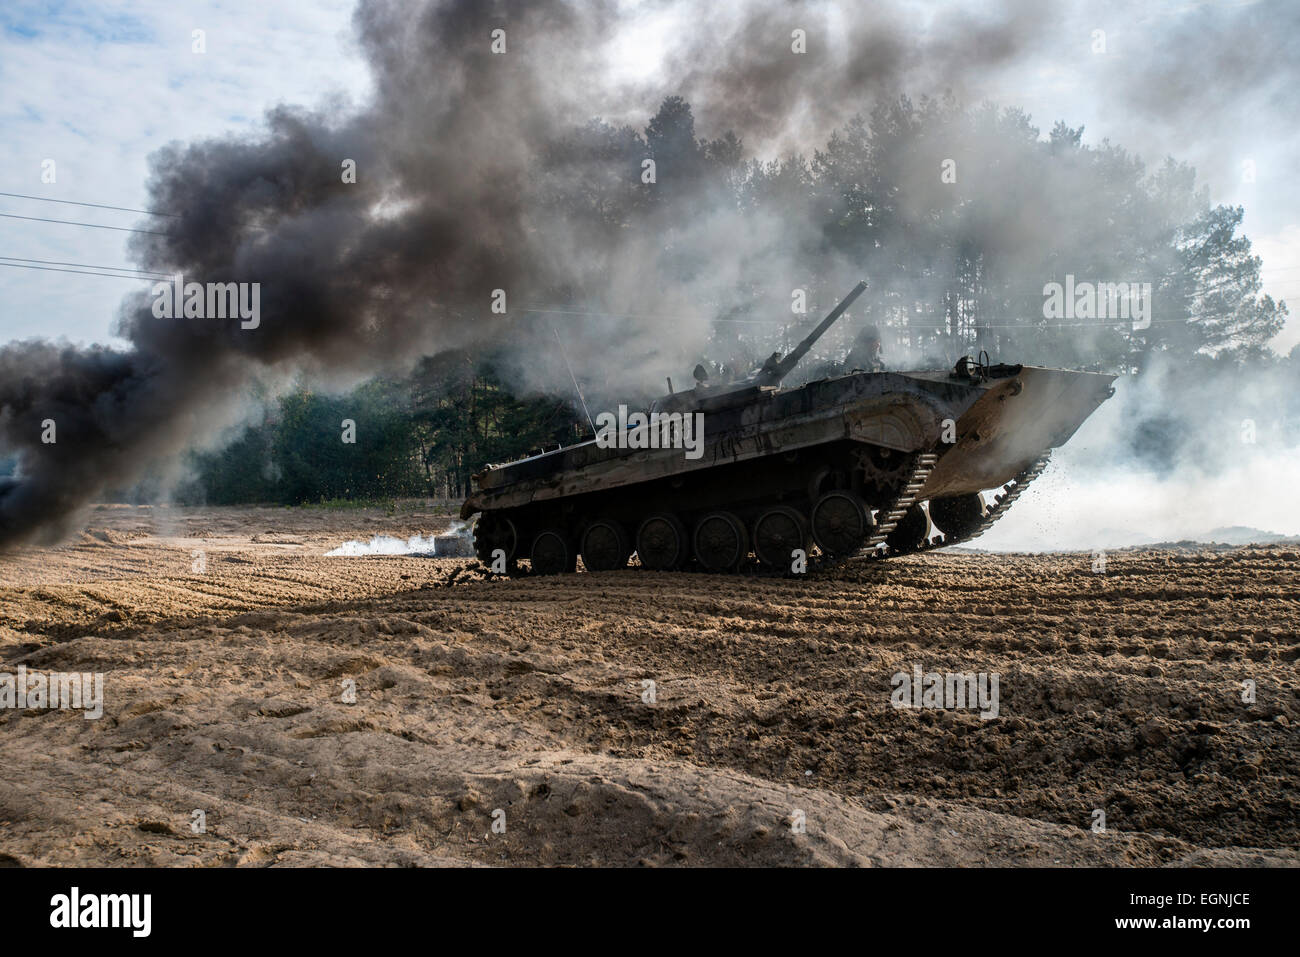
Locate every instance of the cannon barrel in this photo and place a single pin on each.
(774, 371)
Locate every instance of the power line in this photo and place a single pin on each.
(1024, 325)
(627, 315)
(68, 222)
(56, 262)
(73, 202)
(938, 329)
(78, 272)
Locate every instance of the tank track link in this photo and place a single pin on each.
(1001, 504)
(922, 466)
(1010, 492)
(896, 509)
(921, 470)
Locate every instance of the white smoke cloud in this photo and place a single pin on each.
(1093, 495)
(451, 543)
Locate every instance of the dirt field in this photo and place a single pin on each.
(771, 739)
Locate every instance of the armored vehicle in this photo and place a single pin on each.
(871, 464)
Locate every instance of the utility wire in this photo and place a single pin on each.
(56, 262)
(73, 202)
(1027, 325)
(68, 222)
(79, 272)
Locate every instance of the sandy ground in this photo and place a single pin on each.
(771, 739)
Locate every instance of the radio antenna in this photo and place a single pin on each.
(576, 387)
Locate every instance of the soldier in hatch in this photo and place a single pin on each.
(865, 355)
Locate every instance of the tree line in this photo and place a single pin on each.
(958, 216)
(421, 435)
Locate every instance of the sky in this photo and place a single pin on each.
(97, 88)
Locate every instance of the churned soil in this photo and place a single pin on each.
(637, 718)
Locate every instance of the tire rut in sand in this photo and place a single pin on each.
(1119, 692)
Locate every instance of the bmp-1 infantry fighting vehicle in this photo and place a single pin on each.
(868, 463)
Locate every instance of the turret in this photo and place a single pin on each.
(775, 369)
(765, 379)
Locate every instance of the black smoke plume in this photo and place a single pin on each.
(461, 159)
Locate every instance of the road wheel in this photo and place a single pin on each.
(552, 554)
(777, 533)
(958, 515)
(911, 531)
(841, 524)
(721, 542)
(492, 532)
(662, 543)
(605, 546)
